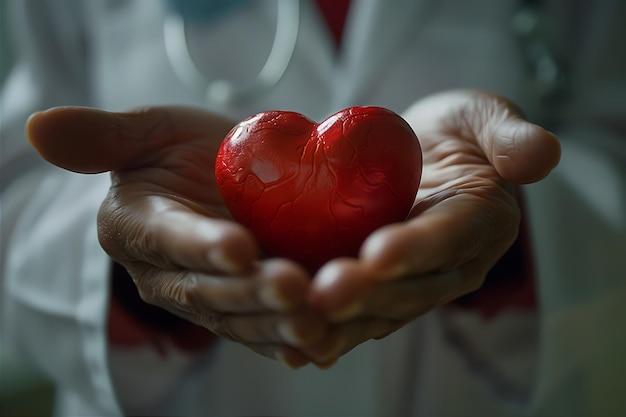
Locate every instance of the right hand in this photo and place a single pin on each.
(165, 222)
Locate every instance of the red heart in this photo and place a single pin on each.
(312, 192)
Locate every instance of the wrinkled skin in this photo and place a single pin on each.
(165, 221)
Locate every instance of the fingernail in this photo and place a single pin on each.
(327, 276)
(271, 298)
(393, 272)
(291, 362)
(327, 365)
(328, 351)
(346, 313)
(286, 331)
(222, 262)
(551, 133)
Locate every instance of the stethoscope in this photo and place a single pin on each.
(225, 92)
(545, 70)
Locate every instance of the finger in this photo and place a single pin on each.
(89, 140)
(195, 242)
(291, 357)
(344, 337)
(339, 287)
(234, 308)
(273, 287)
(455, 231)
(521, 152)
(346, 290)
(285, 285)
(298, 331)
(287, 355)
(406, 299)
(169, 235)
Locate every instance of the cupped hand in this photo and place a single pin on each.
(477, 147)
(165, 222)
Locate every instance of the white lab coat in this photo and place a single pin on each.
(565, 359)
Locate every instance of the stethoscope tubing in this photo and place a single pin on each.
(225, 92)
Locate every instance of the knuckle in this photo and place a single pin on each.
(156, 122)
(120, 231)
(166, 289)
(181, 291)
(109, 223)
(219, 325)
(128, 229)
(148, 296)
(143, 242)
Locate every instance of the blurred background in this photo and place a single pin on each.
(24, 391)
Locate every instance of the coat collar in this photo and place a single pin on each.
(373, 39)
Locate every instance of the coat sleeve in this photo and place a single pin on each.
(49, 69)
(579, 225)
(55, 276)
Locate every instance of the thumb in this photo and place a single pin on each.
(520, 151)
(88, 140)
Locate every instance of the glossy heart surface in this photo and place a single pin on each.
(312, 192)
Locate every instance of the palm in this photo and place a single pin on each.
(454, 167)
(181, 178)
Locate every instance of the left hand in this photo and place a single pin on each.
(477, 147)
(164, 220)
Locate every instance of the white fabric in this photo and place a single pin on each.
(568, 360)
